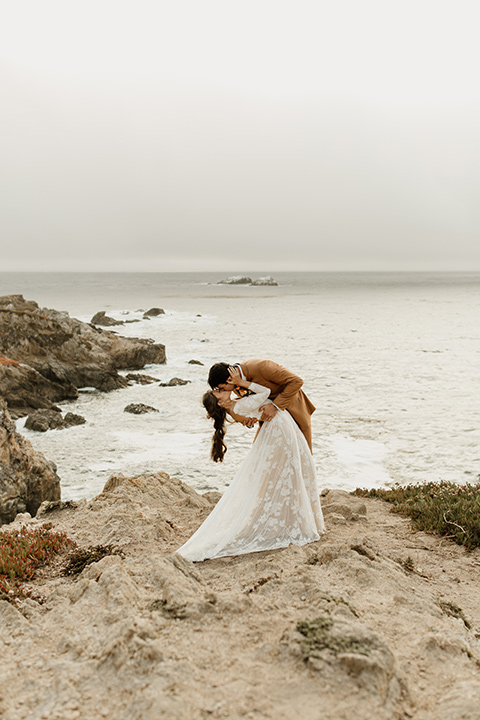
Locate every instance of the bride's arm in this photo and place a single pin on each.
(250, 403)
(243, 419)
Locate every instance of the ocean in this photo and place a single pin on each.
(391, 361)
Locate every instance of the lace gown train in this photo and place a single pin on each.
(273, 499)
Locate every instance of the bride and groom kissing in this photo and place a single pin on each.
(273, 499)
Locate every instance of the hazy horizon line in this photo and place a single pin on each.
(236, 273)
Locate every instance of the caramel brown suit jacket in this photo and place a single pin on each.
(286, 391)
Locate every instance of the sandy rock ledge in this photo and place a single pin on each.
(337, 629)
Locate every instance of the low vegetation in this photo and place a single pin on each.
(443, 508)
(82, 557)
(23, 551)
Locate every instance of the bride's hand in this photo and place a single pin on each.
(236, 377)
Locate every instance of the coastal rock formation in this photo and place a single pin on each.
(336, 629)
(243, 280)
(173, 382)
(139, 409)
(26, 476)
(140, 378)
(66, 352)
(25, 389)
(268, 280)
(43, 420)
(236, 280)
(100, 318)
(153, 312)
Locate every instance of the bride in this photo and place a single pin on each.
(273, 499)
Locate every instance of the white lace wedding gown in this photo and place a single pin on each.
(273, 499)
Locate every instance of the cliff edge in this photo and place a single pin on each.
(372, 622)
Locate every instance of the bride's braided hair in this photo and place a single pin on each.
(218, 415)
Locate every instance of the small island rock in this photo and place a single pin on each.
(236, 280)
(174, 382)
(265, 281)
(139, 409)
(140, 378)
(153, 312)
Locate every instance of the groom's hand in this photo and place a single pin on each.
(268, 412)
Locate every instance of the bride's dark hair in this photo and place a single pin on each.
(218, 415)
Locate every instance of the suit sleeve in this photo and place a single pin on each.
(281, 376)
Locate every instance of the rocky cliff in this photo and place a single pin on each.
(54, 354)
(372, 622)
(27, 478)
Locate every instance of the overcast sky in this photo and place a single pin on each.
(262, 135)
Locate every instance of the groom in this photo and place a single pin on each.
(286, 393)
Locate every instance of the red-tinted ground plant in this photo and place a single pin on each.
(23, 551)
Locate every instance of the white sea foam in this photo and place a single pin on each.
(362, 463)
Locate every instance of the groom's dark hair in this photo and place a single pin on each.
(219, 373)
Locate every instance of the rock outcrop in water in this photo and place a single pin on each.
(244, 280)
(101, 318)
(268, 280)
(55, 354)
(236, 280)
(26, 476)
(139, 409)
(365, 624)
(43, 420)
(153, 312)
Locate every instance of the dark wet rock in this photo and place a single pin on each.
(71, 419)
(243, 280)
(140, 378)
(195, 362)
(174, 382)
(43, 420)
(27, 478)
(236, 280)
(265, 281)
(66, 352)
(153, 312)
(100, 318)
(139, 409)
(24, 389)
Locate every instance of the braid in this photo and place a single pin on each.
(218, 415)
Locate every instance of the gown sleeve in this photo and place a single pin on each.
(250, 404)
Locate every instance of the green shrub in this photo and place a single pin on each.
(23, 551)
(443, 508)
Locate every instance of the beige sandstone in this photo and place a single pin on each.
(150, 636)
